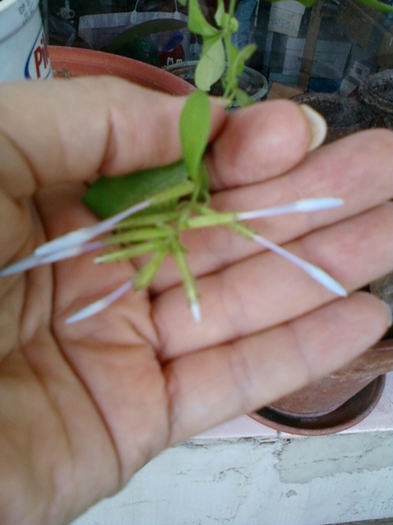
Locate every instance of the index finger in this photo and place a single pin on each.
(70, 130)
(261, 142)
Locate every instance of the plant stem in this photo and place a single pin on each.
(231, 8)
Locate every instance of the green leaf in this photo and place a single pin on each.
(380, 6)
(232, 52)
(145, 275)
(246, 52)
(197, 23)
(220, 12)
(238, 60)
(243, 99)
(211, 65)
(143, 30)
(109, 195)
(307, 3)
(194, 131)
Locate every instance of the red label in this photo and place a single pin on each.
(41, 57)
(38, 63)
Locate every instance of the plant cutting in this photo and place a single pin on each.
(146, 213)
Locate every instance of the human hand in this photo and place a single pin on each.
(83, 406)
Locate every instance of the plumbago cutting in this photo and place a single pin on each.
(145, 213)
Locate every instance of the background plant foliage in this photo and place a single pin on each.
(220, 58)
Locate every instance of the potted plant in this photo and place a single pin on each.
(253, 83)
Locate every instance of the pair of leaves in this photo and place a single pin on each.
(220, 59)
(211, 64)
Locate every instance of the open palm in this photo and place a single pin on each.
(83, 406)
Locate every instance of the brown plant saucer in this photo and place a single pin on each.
(347, 415)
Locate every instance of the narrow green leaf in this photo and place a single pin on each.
(246, 52)
(145, 275)
(197, 23)
(171, 194)
(127, 253)
(232, 52)
(211, 65)
(243, 99)
(153, 219)
(194, 131)
(375, 4)
(143, 30)
(220, 12)
(137, 235)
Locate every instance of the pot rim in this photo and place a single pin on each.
(92, 62)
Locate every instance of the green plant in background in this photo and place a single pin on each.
(146, 213)
(219, 57)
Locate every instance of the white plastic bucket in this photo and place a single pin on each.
(23, 49)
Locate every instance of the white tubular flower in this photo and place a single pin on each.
(101, 304)
(313, 271)
(80, 241)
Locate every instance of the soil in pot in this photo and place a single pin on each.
(251, 81)
(376, 95)
(343, 115)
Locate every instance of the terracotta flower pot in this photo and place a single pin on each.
(335, 402)
(80, 62)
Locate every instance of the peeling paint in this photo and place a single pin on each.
(286, 481)
(304, 460)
